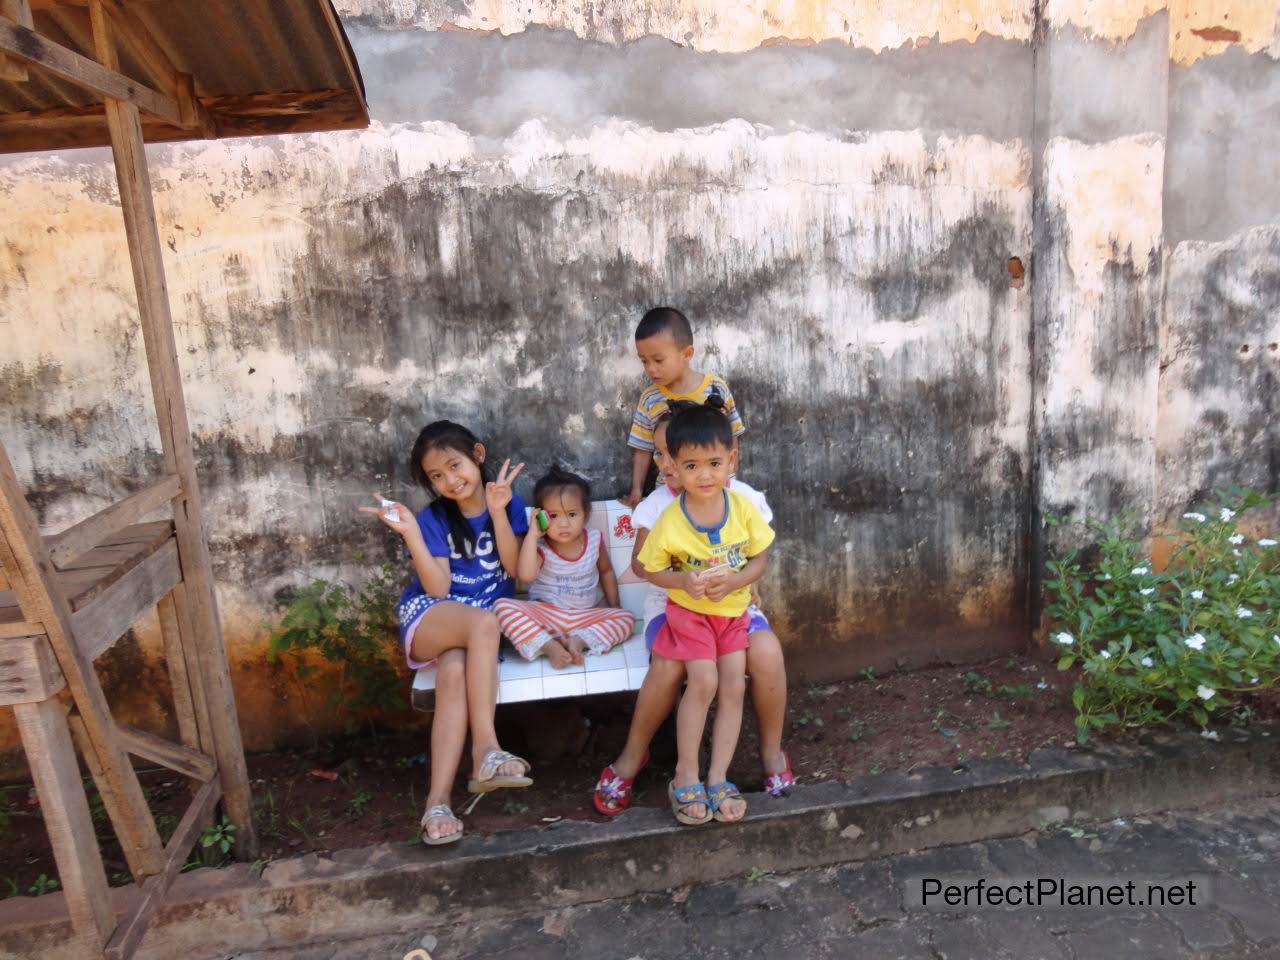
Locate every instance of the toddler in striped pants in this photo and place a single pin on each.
(564, 565)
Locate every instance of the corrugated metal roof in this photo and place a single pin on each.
(246, 57)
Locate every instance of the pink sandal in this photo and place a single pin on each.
(780, 784)
(613, 792)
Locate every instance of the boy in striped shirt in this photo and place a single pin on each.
(664, 343)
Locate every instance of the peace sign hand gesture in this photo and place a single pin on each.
(497, 493)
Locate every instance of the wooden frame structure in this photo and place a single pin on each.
(65, 599)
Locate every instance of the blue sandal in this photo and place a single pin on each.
(718, 793)
(682, 797)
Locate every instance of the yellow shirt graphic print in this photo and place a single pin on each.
(676, 543)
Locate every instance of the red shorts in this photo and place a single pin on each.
(699, 636)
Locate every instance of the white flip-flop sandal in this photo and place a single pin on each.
(488, 780)
(438, 811)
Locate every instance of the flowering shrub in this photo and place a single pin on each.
(1186, 641)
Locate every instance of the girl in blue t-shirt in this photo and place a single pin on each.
(465, 545)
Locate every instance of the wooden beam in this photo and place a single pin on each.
(188, 693)
(104, 620)
(28, 671)
(88, 533)
(127, 935)
(147, 261)
(65, 809)
(19, 11)
(189, 763)
(20, 628)
(160, 68)
(258, 114)
(30, 47)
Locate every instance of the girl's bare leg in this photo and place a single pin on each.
(730, 691)
(448, 734)
(657, 696)
(691, 720)
(457, 626)
(768, 675)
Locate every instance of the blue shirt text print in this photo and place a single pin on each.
(479, 576)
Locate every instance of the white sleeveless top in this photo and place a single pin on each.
(569, 583)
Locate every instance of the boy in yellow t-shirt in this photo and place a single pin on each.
(664, 343)
(707, 548)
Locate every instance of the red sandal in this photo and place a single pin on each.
(780, 784)
(613, 793)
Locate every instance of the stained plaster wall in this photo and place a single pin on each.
(832, 193)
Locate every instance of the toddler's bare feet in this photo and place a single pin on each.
(558, 655)
(577, 648)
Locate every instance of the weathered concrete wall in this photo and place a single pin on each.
(833, 191)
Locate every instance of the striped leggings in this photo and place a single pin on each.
(531, 623)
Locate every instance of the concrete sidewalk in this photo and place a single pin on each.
(862, 910)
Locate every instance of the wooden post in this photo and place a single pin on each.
(43, 727)
(175, 435)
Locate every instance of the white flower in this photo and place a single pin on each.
(1105, 576)
(1105, 654)
(1266, 542)
(1146, 607)
(1147, 591)
(1064, 638)
(1195, 641)
(1226, 514)
(1233, 578)
(1147, 662)
(1209, 734)
(1244, 613)
(1235, 553)
(1276, 637)
(1237, 539)
(1197, 594)
(1042, 685)
(1253, 679)
(1205, 693)
(1139, 571)
(1197, 517)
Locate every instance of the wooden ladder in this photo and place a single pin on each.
(65, 599)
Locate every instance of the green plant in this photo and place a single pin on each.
(756, 875)
(1018, 691)
(358, 803)
(997, 722)
(258, 866)
(976, 683)
(859, 729)
(1184, 642)
(868, 674)
(807, 718)
(355, 630)
(216, 839)
(12, 887)
(165, 824)
(43, 884)
(512, 805)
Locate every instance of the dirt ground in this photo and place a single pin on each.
(354, 792)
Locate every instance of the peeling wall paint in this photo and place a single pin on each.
(1220, 370)
(1101, 271)
(710, 25)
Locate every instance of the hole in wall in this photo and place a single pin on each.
(1016, 272)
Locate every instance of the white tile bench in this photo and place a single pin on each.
(622, 668)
